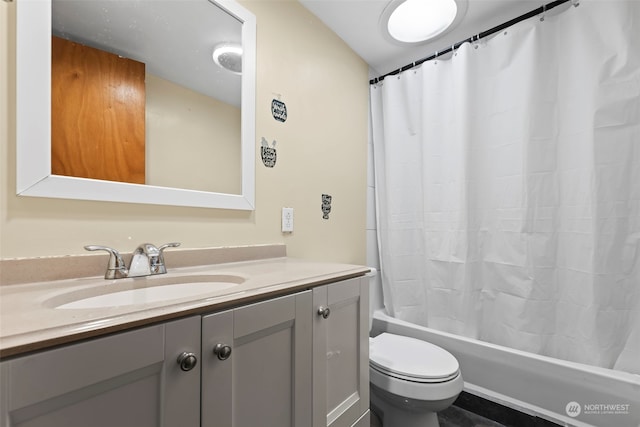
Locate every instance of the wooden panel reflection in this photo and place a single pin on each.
(97, 114)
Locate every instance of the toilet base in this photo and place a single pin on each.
(398, 419)
(397, 411)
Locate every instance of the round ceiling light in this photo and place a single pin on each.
(416, 21)
(229, 57)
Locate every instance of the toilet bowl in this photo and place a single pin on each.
(410, 379)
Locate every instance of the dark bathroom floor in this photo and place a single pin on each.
(454, 417)
(473, 411)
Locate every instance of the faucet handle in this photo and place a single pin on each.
(116, 268)
(168, 245)
(160, 267)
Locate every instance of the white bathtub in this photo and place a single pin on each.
(533, 384)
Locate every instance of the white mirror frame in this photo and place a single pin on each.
(33, 124)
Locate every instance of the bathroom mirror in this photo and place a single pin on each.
(34, 177)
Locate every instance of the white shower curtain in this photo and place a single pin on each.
(508, 187)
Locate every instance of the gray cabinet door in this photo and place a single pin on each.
(266, 380)
(341, 353)
(130, 379)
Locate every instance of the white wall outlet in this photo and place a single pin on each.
(287, 220)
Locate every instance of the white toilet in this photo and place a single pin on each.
(411, 379)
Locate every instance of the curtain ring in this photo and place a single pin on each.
(544, 10)
(575, 3)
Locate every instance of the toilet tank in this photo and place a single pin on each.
(375, 295)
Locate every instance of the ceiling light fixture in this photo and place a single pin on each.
(229, 57)
(417, 21)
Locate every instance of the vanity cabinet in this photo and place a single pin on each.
(341, 354)
(131, 379)
(299, 360)
(256, 364)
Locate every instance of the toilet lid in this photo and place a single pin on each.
(411, 359)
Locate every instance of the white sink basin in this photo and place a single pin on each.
(147, 290)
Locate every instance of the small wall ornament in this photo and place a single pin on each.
(326, 206)
(279, 110)
(267, 153)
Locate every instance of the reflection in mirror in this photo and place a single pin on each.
(196, 119)
(138, 94)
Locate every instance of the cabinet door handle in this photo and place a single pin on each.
(187, 361)
(324, 312)
(222, 351)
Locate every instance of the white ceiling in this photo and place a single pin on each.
(357, 23)
(174, 38)
(131, 28)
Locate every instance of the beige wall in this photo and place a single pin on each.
(322, 148)
(192, 140)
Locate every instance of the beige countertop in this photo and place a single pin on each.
(30, 321)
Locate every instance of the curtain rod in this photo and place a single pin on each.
(498, 28)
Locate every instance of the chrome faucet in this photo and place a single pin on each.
(147, 260)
